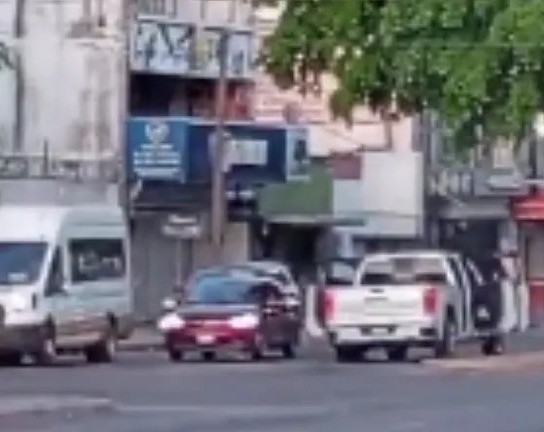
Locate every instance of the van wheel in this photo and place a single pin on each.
(105, 350)
(493, 345)
(445, 347)
(47, 352)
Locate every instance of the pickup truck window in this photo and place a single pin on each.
(340, 273)
(403, 271)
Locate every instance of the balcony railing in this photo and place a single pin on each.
(24, 167)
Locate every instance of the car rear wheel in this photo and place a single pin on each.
(493, 345)
(105, 350)
(398, 354)
(348, 354)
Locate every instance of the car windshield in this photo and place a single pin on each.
(220, 289)
(272, 273)
(20, 263)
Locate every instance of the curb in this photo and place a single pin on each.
(141, 346)
(25, 405)
(502, 363)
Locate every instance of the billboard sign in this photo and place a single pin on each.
(255, 153)
(181, 149)
(157, 149)
(179, 49)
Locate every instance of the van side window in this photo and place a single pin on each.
(97, 259)
(56, 275)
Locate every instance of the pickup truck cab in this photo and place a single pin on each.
(406, 299)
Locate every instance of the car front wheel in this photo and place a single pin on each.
(175, 355)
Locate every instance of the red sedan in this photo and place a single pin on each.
(223, 312)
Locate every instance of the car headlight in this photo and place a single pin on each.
(170, 322)
(245, 321)
(20, 302)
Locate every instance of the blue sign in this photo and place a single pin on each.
(156, 149)
(181, 149)
(254, 153)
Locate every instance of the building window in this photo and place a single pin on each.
(94, 260)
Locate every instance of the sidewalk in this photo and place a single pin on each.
(144, 338)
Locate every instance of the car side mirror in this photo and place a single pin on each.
(169, 305)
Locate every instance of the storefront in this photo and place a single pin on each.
(169, 177)
(529, 213)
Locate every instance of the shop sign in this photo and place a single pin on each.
(184, 50)
(157, 149)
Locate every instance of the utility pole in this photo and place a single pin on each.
(218, 203)
(19, 32)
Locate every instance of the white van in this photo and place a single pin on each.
(64, 282)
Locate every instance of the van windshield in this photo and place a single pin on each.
(20, 263)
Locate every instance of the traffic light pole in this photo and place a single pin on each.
(218, 203)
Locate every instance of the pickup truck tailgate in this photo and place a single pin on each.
(359, 305)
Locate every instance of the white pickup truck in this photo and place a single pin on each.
(408, 299)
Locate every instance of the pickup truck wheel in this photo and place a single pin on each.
(398, 354)
(446, 346)
(288, 351)
(11, 359)
(347, 354)
(493, 345)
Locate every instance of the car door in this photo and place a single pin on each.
(273, 314)
(58, 299)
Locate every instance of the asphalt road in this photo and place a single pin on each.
(313, 393)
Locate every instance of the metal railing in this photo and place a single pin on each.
(24, 167)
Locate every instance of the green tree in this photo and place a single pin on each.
(479, 63)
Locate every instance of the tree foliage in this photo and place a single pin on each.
(479, 63)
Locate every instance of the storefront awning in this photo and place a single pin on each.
(529, 209)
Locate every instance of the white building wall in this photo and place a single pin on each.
(7, 74)
(72, 56)
(235, 13)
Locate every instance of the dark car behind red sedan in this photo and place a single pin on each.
(222, 312)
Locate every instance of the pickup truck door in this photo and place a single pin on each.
(464, 295)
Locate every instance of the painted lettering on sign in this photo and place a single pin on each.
(178, 49)
(248, 152)
(157, 150)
